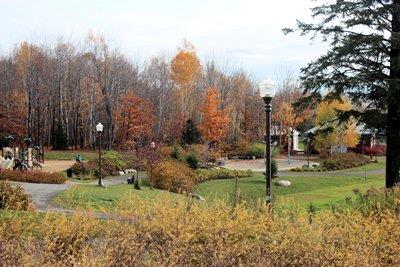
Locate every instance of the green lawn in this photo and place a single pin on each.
(69, 154)
(92, 196)
(322, 191)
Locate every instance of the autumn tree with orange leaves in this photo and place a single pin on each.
(134, 119)
(185, 73)
(215, 123)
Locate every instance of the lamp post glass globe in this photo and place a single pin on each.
(267, 88)
(99, 127)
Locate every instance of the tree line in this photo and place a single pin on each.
(57, 94)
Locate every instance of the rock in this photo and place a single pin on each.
(130, 171)
(121, 173)
(221, 162)
(283, 183)
(198, 197)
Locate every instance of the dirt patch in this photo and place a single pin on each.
(57, 165)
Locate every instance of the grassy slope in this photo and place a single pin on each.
(322, 190)
(92, 196)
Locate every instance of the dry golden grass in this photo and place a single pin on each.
(182, 232)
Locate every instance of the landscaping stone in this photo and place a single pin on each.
(221, 162)
(198, 197)
(283, 183)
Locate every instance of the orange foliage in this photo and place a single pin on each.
(185, 66)
(185, 73)
(13, 115)
(134, 119)
(215, 119)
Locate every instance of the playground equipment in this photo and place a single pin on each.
(19, 159)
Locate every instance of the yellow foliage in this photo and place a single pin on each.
(342, 134)
(179, 231)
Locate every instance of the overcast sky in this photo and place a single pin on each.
(243, 33)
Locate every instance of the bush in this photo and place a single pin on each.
(220, 173)
(37, 177)
(192, 161)
(176, 153)
(257, 150)
(111, 162)
(344, 161)
(377, 150)
(173, 176)
(114, 159)
(13, 197)
(179, 232)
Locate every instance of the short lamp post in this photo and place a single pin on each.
(267, 92)
(99, 130)
(290, 136)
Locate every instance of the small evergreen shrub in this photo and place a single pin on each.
(176, 153)
(192, 161)
(13, 197)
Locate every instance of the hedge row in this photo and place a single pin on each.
(37, 177)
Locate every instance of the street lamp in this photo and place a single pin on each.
(289, 135)
(267, 92)
(99, 130)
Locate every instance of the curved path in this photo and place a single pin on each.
(43, 194)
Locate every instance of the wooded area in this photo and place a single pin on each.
(57, 94)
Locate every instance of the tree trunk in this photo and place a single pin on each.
(393, 116)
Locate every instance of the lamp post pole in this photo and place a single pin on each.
(99, 129)
(290, 134)
(267, 92)
(268, 109)
(100, 180)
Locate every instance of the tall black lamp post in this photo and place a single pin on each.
(267, 92)
(99, 130)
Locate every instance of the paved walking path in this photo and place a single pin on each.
(43, 194)
(258, 165)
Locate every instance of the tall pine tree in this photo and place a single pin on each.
(363, 62)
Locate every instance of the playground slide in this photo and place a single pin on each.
(6, 164)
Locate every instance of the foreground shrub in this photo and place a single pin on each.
(13, 197)
(37, 177)
(220, 173)
(173, 176)
(171, 232)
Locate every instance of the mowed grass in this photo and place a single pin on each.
(69, 154)
(322, 191)
(98, 198)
